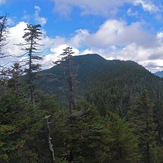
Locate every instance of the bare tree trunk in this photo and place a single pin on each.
(49, 139)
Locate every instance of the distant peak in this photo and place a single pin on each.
(91, 56)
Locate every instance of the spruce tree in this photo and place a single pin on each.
(68, 67)
(3, 34)
(88, 140)
(32, 36)
(3, 41)
(124, 147)
(142, 117)
(19, 124)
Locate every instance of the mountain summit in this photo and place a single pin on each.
(106, 83)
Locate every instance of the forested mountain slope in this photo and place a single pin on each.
(108, 84)
(113, 119)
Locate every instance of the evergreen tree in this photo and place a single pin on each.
(32, 36)
(124, 147)
(67, 65)
(89, 140)
(3, 34)
(142, 117)
(16, 74)
(3, 41)
(19, 123)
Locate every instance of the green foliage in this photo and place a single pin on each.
(67, 65)
(96, 131)
(59, 160)
(124, 148)
(32, 36)
(110, 85)
(142, 118)
(19, 122)
(3, 35)
(60, 133)
(89, 139)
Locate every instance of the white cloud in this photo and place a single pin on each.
(38, 19)
(151, 58)
(79, 38)
(38, 9)
(2, 2)
(12, 49)
(16, 34)
(160, 35)
(52, 48)
(55, 46)
(15, 37)
(102, 7)
(10, 21)
(26, 18)
(113, 40)
(114, 32)
(130, 13)
(55, 55)
(147, 5)
(134, 52)
(52, 42)
(153, 66)
(158, 17)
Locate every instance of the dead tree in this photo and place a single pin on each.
(49, 138)
(67, 65)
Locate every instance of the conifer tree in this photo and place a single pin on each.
(3, 41)
(3, 34)
(16, 74)
(67, 65)
(124, 147)
(142, 117)
(88, 139)
(32, 36)
(19, 123)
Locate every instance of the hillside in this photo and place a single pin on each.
(117, 83)
(159, 73)
(110, 119)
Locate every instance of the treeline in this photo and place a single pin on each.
(36, 128)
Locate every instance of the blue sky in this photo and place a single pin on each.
(115, 29)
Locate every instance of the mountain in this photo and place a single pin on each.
(108, 84)
(159, 73)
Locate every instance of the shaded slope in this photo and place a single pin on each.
(110, 85)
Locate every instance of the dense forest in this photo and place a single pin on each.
(84, 109)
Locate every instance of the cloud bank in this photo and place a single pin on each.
(114, 39)
(102, 7)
